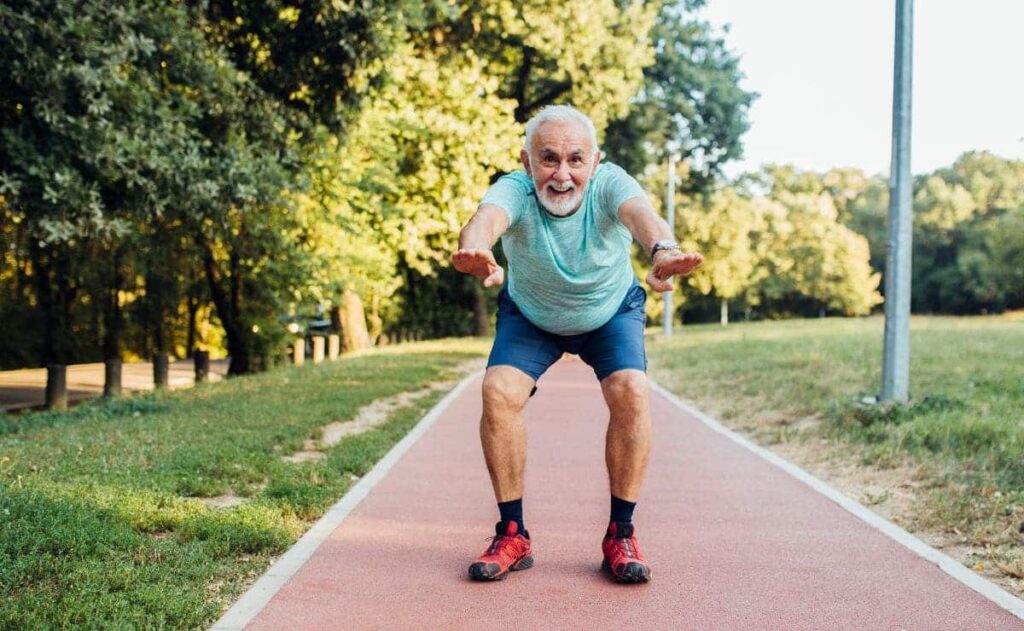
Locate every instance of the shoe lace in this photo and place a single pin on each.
(627, 547)
(501, 545)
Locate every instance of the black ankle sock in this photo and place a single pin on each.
(622, 511)
(513, 511)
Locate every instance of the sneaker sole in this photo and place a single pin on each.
(478, 571)
(634, 573)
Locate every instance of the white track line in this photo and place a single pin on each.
(949, 565)
(257, 596)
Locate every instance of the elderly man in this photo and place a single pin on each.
(566, 223)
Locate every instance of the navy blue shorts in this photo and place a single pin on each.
(616, 345)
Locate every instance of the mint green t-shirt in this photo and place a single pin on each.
(567, 275)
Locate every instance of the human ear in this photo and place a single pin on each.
(525, 158)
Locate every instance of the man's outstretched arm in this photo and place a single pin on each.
(478, 236)
(648, 228)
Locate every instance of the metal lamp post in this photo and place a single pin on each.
(896, 361)
(670, 217)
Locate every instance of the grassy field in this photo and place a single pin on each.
(101, 518)
(805, 380)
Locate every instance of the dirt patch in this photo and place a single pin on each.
(375, 414)
(304, 456)
(368, 417)
(226, 500)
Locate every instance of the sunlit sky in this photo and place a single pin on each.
(824, 70)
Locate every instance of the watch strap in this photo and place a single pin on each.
(663, 245)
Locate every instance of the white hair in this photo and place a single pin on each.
(559, 114)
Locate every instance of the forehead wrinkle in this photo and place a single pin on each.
(554, 136)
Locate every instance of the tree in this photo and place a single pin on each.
(593, 59)
(691, 102)
(720, 228)
(1003, 269)
(410, 171)
(812, 264)
(88, 139)
(316, 58)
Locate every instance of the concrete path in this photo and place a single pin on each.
(27, 388)
(735, 541)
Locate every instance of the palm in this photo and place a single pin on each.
(667, 267)
(479, 263)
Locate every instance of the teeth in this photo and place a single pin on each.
(561, 189)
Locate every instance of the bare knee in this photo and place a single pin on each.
(505, 391)
(626, 392)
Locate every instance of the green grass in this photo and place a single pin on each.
(964, 422)
(100, 521)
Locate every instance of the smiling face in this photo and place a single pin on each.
(561, 161)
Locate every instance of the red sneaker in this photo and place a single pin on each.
(509, 550)
(622, 556)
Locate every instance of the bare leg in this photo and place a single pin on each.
(628, 442)
(502, 432)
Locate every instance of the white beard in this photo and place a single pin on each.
(561, 206)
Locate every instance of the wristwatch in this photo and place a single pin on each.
(663, 245)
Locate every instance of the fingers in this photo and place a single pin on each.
(658, 284)
(683, 264)
(479, 263)
(496, 278)
(473, 261)
(660, 278)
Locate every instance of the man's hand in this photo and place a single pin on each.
(668, 263)
(479, 263)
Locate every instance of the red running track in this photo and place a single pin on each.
(734, 541)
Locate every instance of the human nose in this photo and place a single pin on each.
(562, 173)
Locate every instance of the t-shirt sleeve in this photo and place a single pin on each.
(618, 186)
(510, 194)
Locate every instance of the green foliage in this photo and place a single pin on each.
(594, 58)
(777, 253)
(818, 241)
(315, 58)
(965, 230)
(691, 103)
(811, 262)
(1004, 266)
(168, 168)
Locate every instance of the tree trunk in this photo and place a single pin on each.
(161, 370)
(374, 321)
(226, 303)
(114, 327)
(55, 295)
(56, 386)
(193, 312)
(201, 362)
(481, 319)
(112, 378)
(355, 337)
(725, 312)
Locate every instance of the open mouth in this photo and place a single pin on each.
(561, 193)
